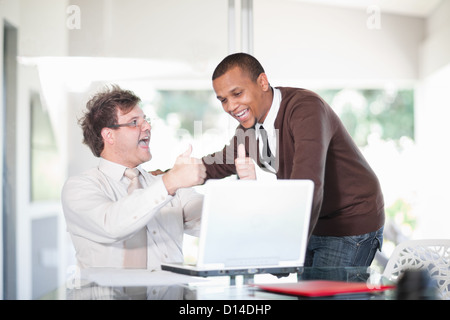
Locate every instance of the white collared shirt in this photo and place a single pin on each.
(100, 216)
(269, 126)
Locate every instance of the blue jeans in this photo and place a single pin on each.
(348, 251)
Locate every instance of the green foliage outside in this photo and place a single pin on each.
(401, 212)
(390, 114)
(190, 105)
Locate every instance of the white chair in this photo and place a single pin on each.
(430, 254)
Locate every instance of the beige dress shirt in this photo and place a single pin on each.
(100, 216)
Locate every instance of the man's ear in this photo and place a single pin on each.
(263, 82)
(108, 135)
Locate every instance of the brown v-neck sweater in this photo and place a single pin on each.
(313, 143)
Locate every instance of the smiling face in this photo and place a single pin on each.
(128, 145)
(245, 100)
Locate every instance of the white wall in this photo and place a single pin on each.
(194, 31)
(432, 170)
(432, 134)
(435, 49)
(322, 45)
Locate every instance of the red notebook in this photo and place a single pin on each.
(322, 288)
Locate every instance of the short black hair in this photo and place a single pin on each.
(244, 61)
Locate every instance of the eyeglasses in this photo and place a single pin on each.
(133, 124)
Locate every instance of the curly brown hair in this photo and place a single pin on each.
(101, 112)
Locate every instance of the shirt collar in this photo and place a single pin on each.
(269, 121)
(112, 169)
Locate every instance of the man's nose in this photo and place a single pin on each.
(146, 126)
(232, 106)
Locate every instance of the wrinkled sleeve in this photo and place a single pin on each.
(192, 204)
(221, 164)
(91, 214)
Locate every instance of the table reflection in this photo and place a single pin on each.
(217, 288)
(92, 291)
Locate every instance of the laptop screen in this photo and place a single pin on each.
(254, 223)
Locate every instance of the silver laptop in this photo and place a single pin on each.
(251, 227)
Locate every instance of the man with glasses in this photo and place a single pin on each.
(119, 215)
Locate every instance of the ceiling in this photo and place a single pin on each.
(416, 8)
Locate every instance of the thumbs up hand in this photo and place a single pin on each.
(186, 172)
(187, 153)
(245, 166)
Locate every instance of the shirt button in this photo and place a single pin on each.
(154, 231)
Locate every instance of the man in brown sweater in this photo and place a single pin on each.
(301, 138)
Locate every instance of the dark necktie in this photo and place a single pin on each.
(266, 153)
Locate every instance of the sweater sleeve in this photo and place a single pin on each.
(221, 164)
